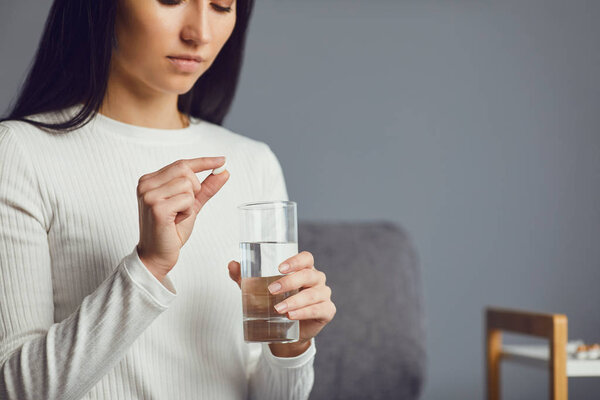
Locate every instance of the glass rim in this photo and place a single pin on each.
(261, 204)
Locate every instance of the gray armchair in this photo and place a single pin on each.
(375, 346)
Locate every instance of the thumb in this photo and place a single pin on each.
(235, 272)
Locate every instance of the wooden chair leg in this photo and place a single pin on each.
(494, 346)
(558, 359)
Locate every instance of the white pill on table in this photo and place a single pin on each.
(222, 168)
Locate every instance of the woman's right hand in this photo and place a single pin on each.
(168, 202)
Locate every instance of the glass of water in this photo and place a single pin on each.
(268, 236)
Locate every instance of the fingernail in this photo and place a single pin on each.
(281, 307)
(274, 287)
(284, 267)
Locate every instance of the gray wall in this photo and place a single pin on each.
(474, 124)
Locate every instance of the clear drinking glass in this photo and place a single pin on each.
(269, 236)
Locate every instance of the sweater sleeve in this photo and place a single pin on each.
(41, 358)
(274, 377)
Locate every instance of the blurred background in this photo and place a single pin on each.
(473, 124)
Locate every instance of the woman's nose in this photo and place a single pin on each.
(197, 29)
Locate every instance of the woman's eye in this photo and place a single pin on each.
(215, 6)
(221, 9)
(171, 2)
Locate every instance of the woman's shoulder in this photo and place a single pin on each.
(17, 128)
(11, 130)
(20, 133)
(29, 137)
(24, 126)
(11, 126)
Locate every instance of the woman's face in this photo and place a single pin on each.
(150, 32)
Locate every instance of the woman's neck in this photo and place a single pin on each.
(158, 120)
(133, 105)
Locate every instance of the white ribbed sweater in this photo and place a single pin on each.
(81, 316)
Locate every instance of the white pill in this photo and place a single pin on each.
(222, 168)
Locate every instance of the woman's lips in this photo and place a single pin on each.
(184, 65)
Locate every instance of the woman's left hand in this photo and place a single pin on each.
(312, 305)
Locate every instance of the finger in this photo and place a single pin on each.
(176, 170)
(203, 163)
(198, 164)
(183, 167)
(321, 311)
(304, 298)
(235, 272)
(297, 262)
(210, 186)
(177, 208)
(170, 189)
(304, 278)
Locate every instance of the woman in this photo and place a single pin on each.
(106, 289)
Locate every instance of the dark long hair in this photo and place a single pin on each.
(71, 67)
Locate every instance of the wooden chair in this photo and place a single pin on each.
(550, 326)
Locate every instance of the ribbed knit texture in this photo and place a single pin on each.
(80, 314)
